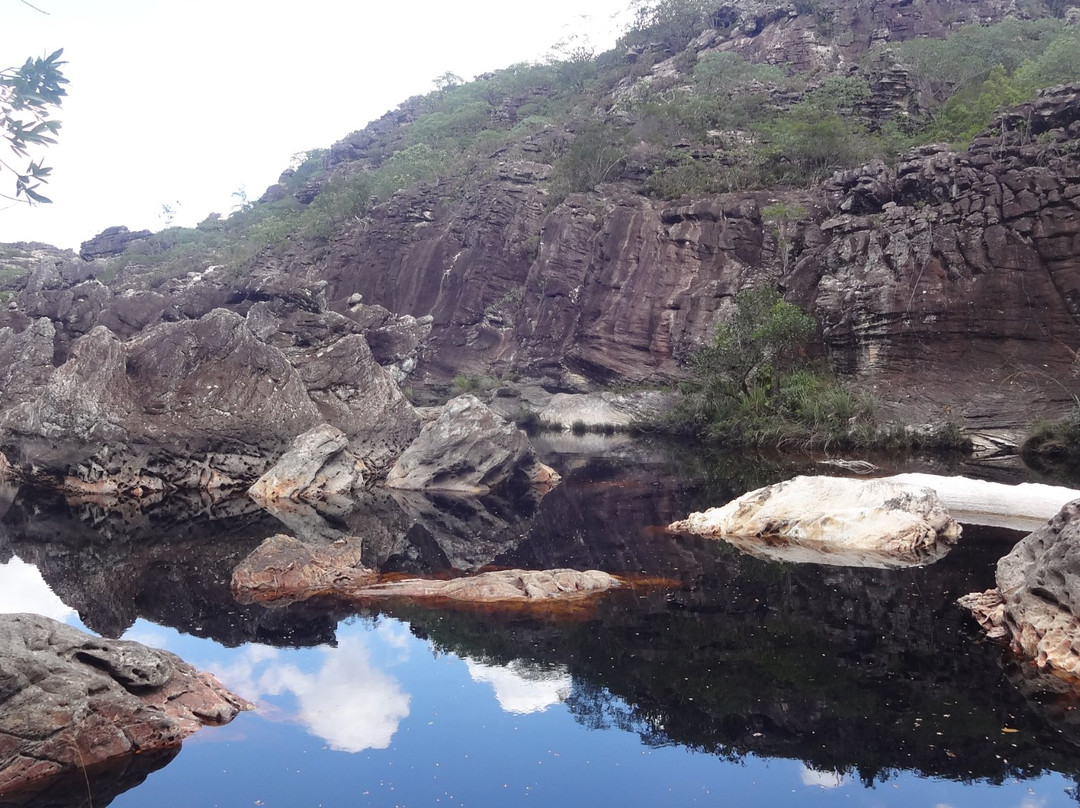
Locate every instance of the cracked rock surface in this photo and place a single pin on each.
(71, 702)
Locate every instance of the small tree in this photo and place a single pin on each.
(766, 336)
(736, 381)
(29, 95)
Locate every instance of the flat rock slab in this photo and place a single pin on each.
(1036, 605)
(284, 569)
(832, 520)
(1027, 506)
(72, 702)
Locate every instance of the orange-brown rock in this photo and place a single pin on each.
(284, 569)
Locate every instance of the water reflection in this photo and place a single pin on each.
(850, 675)
(346, 700)
(23, 589)
(522, 687)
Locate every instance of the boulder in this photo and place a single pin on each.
(831, 520)
(469, 449)
(1036, 604)
(74, 702)
(26, 361)
(207, 385)
(318, 467)
(285, 570)
(350, 389)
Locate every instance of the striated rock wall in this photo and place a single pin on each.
(947, 283)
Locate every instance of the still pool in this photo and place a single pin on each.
(746, 682)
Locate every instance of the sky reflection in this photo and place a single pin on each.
(346, 700)
(22, 589)
(522, 688)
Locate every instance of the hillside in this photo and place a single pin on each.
(586, 223)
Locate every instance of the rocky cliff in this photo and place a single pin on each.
(945, 282)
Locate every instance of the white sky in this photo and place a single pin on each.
(189, 101)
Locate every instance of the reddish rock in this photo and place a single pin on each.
(285, 570)
(72, 702)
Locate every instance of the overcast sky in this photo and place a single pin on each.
(187, 102)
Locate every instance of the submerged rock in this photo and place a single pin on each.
(831, 520)
(71, 701)
(1036, 605)
(469, 449)
(285, 570)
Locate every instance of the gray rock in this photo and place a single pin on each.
(469, 449)
(26, 361)
(199, 403)
(110, 241)
(317, 467)
(1036, 605)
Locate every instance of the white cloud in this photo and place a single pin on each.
(348, 703)
(822, 779)
(22, 589)
(521, 687)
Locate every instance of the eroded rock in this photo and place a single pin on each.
(72, 701)
(317, 467)
(469, 449)
(1036, 605)
(832, 520)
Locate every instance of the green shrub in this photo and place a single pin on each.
(754, 386)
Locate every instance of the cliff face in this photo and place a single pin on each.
(947, 283)
(949, 280)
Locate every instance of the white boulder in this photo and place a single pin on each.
(832, 520)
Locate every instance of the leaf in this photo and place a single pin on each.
(35, 196)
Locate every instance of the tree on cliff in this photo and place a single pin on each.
(29, 95)
(754, 385)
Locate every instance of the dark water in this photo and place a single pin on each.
(745, 683)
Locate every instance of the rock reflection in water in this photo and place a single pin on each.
(853, 672)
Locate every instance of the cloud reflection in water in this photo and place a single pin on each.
(523, 688)
(347, 701)
(22, 589)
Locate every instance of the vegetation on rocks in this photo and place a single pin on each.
(754, 385)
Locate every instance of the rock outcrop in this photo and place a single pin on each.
(832, 520)
(1036, 604)
(110, 241)
(469, 449)
(952, 269)
(72, 701)
(316, 468)
(286, 570)
(207, 403)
